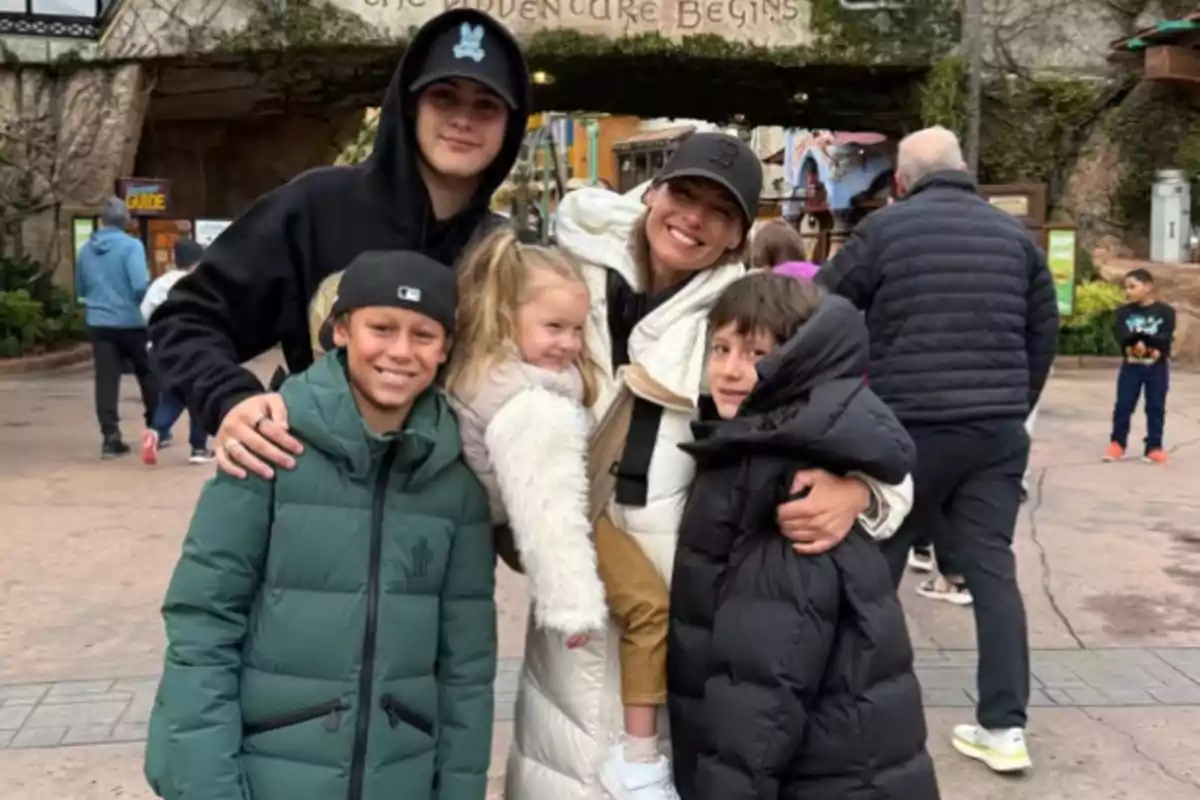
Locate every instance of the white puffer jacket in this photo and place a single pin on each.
(568, 703)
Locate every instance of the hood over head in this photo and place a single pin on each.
(392, 165)
(105, 239)
(812, 404)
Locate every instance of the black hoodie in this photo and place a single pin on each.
(252, 289)
(791, 677)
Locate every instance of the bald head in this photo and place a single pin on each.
(925, 152)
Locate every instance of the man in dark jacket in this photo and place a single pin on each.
(450, 129)
(963, 320)
(790, 676)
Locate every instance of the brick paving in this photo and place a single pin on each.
(1109, 566)
(68, 713)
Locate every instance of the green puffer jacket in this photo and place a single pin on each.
(331, 633)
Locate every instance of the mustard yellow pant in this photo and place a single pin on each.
(638, 600)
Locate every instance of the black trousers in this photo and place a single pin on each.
(111, 348)
(967, 493)
(1155, 380)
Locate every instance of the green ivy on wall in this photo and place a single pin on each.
(1031, 129)
(1157, 129)
(909, 33)
(300, 23)
(913, 35)
(944, 95)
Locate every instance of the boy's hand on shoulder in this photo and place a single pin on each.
(255, 432)
(820, 520)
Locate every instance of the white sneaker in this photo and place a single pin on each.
(624, 780)
(946, 590)
(1002, 750)
(919, 561)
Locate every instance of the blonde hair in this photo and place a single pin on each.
(495, 279)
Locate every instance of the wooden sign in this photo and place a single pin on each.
(1025, 201)
(145, 197)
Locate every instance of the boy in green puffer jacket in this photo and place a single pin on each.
(331, 632)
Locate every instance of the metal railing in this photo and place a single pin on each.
(68, 19)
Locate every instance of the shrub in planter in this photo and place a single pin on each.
(34, 313)
(21, 319)
(1090, 330)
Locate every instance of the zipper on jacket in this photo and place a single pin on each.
(397, 713)
(366, 672)
(332, 709)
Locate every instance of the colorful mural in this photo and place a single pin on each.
(828, 170)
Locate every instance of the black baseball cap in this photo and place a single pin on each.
(395, 279)
(475, 49)
(724, 159)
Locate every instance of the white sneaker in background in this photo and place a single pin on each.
(1002, 750)
(627, 780)
(945, 589)
(200, 456)
(920, 560)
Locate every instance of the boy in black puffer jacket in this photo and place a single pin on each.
(790, 676)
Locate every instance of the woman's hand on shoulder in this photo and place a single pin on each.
(825, 514)
(254, 435)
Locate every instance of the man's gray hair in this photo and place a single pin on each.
(928, 151)
(115, 213)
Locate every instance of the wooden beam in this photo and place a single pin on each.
(1171, 63)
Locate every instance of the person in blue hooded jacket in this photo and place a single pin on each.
(111, 278)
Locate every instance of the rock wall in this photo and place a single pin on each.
(81, 130)
(217, 168)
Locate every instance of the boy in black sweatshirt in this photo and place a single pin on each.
(1145, 327)
(789, 676)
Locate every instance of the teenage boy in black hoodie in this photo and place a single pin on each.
(450, 129)
(790, 676)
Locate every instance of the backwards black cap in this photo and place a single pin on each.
(724, 159)
(472, 50)
(396, 279)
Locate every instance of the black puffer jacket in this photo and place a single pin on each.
(791, 677)
(961, 307)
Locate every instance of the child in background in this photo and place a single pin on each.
(522, 380)
(170, 406)
(1144, 330)
(777, 245)
(331, 632)
(790, 675)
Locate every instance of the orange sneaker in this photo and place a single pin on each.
(1156, 456)
(1114, 452)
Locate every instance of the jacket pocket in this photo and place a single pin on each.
(397, 713)
(332, 709)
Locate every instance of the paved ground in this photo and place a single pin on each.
(1110, 559)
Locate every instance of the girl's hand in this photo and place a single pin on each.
(578, 640)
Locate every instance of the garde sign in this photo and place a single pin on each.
(145, 197)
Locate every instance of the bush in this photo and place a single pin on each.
(1089, 331)
(21, 318)
(34, 313)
